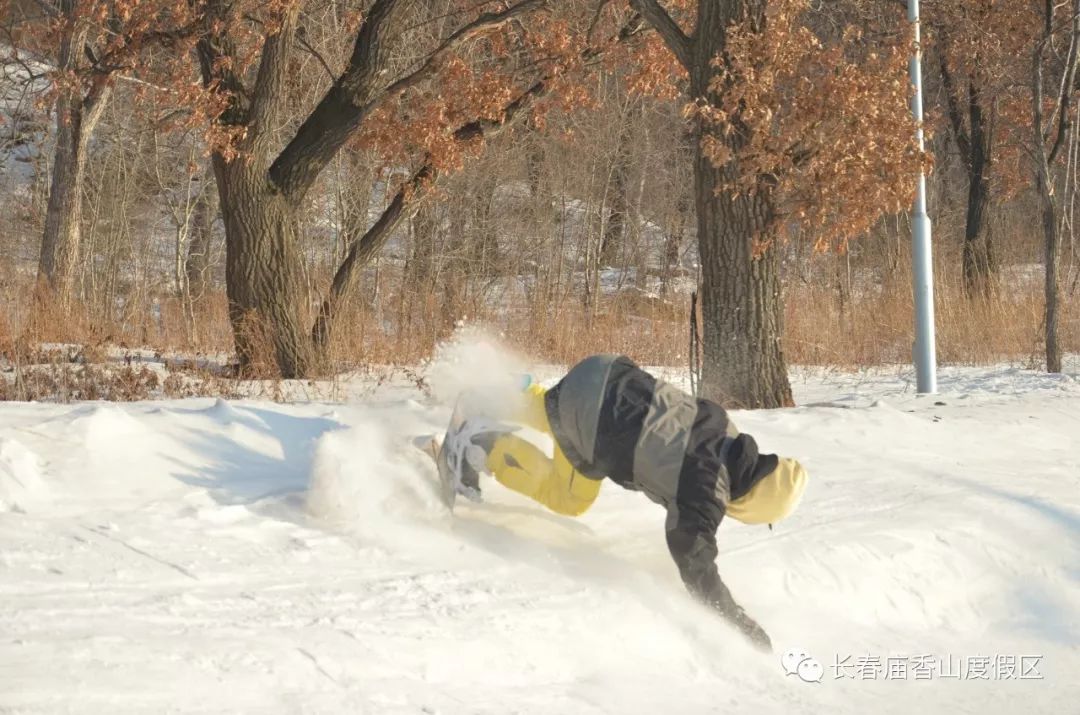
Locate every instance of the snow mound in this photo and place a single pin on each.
(21, 486)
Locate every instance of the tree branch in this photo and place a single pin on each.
(481, 24)
(1067, 81)
(316, 54)
(956, 120)
(676, 40)
(269, 91)
(353, 97)
(216, 56)
(363, 249)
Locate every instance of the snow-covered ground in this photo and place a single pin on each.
(210, 556)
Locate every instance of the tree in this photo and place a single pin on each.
(1032, 103)
(775, 146)
(975, 49)
(89, 44)
(971, 126)
(78, 108)
(262, 188)
(1054, 60)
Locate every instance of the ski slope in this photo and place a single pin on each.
(210, 556)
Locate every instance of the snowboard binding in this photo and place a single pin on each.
(462, 458)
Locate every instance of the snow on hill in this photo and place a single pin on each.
(211, 556)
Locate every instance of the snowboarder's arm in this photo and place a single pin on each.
(694, 551)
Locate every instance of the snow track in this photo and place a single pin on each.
(204, 556)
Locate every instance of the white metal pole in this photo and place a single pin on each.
(922, 269)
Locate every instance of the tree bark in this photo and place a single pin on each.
(1048, 216)
(263, 264)
(741, 302)
(262, 271)
(261, 194)
(424, 234)
(485, 239)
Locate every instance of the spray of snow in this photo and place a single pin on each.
(474, 361)
(476, 365)
(365, 482)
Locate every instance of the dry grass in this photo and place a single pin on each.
(61, 353)
(876, 328)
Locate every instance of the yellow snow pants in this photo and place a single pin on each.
(522, 466)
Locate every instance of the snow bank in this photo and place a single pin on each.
(21, 487)
(213, 556)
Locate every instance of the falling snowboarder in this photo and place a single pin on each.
(609, 418)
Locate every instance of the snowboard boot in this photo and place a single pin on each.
(467, 448)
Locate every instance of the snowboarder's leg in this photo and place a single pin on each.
(520, 465)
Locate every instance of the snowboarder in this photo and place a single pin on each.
(609, 418)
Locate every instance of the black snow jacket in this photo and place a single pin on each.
(612, 419)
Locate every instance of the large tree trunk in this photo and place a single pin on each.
(76, 116)
(975, 142)
(741, 302)
(263, 271)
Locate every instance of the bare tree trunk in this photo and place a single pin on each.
(978, 261)
(979, 265)
(425, 232)
(262, 194)
(485, 242)
(1058, 136)
(613, 236)
(1048, 218)
(76, 116)
(741, 303)
(673, 242)
(197, 263)
(975, 141)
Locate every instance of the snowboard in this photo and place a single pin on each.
(431, 445)
(447, 463)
